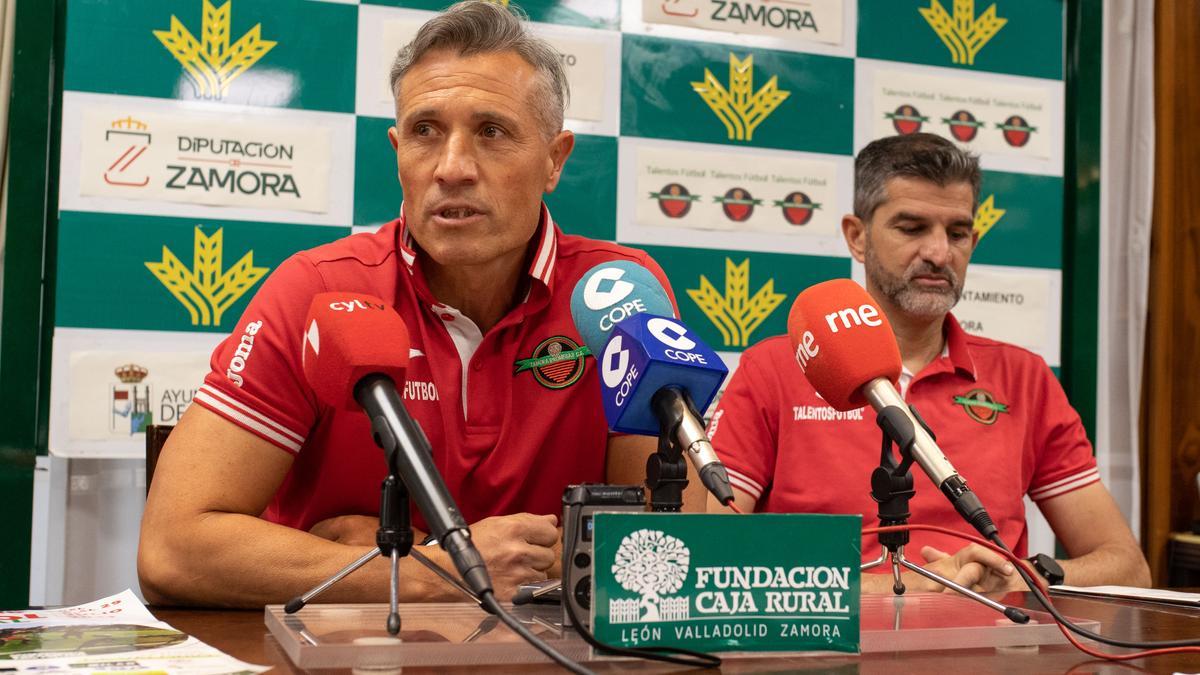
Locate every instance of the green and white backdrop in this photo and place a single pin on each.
(203, 141)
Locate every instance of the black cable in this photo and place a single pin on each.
(687, 657)
(1113, 642)
(492, 604)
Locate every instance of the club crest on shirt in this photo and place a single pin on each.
(556, 363)
(981, 406)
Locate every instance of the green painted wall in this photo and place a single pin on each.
(25, 323)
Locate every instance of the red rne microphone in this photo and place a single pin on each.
(348, 336)
(846, 348)
(842, 341)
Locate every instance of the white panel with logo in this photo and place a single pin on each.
(591, 59)
(675, 193)
(202, 160)
(119, 381)
(813, 26)
(1013, 123)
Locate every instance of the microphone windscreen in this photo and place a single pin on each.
(612, 292)
(348, 336)
(842, 341)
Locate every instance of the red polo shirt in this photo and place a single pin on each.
(513, 415)
(997, 410)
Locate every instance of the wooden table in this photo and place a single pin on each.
(243, 634)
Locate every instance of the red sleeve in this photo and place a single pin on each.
(744, 427)
(1063, 455)
(257, 380)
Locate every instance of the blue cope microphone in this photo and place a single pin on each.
(610, 293)
(652, 368)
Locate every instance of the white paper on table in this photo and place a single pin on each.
(123, 607)
(1132, 593)
(86, 644)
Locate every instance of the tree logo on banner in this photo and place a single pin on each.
(211, 63)
(652, 564)
(964, 33)
(205, 290)
(987, 215)
(736, 314)
(740, 108)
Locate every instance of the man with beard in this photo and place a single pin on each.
(999, 413)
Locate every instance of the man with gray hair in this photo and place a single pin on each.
(999, 413)
(262, 491)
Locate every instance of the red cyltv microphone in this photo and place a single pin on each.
(355, 355)
(348, 336)
(847, 350)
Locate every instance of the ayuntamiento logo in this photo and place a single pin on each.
(130, 409)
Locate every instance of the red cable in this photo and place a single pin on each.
(1017, 561)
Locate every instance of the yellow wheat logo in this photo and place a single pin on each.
(964, 33)
(987, 215)
(212, 63)
(740, 108)
(205, 291)
(736, 314)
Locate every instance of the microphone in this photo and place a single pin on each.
(847, 350)
(355, 353)
(612, 292)
(653, 371)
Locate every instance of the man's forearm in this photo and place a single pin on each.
(234, 560)
(1107, 565)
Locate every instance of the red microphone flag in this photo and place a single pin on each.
(348, 336)
(842, 341)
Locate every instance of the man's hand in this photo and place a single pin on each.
(973, 566)
(518, 549)
(348, 530)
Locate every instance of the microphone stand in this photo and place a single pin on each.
(891, 488)
(393, 539)
(666, 470)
